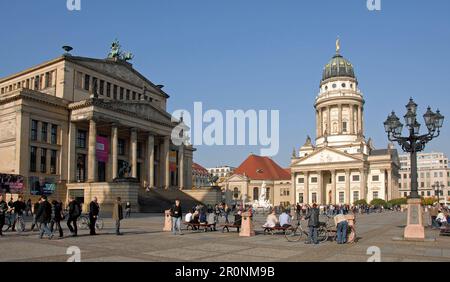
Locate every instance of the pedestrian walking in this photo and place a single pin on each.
(19, 207)
(94, 210)
(57, 216)
(313, 224)
(117, 214)
(176, 214)
(3, 211)
(35, 210)
(44, 215)
(74, 214)
(128, 210)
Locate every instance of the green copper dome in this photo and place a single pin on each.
(338, 67)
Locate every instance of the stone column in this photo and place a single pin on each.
(151, 160)
(359, 121)
(92, 150)
(317, 124)
(362, 179)
(347, 187)
(328, 120)
(133, 143)
(333, 187)
(352, 119)
(320, 186)
(340, 127)
(181, 167)
(166, 162)
(114, 150)
(306, 190)
(390, 189)
(320, 123)
(72, 159)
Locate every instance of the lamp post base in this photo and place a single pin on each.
(414, 229)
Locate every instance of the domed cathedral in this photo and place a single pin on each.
(342, 167)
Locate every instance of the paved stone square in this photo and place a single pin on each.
(143, 241)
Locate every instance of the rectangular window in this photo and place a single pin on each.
(121, 147)
(375, 178)
(87, 80)
(128, 94)
(33, 152)
(422, 184)
(34, 126)
(108, 89)
(375, 195)
(101, 87)
(134, 95)
(341, 178)
(44, 132)
(314, 197)
(344, 126)
(81, 139)
(53, 161)
(300, 198)
(48, 79)
(355, 196)
(115, 92)
(313, 179)
(428, 193)
(54, 134)
(121, 93)
(301, 180)
(355, 178)
(341, 197)
(36, 82)
(44, 160)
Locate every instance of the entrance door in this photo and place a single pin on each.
(255, 194)
(101, 171)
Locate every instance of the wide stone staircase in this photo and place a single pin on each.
(158, 200)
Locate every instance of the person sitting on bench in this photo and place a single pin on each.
(189, 217)
(203, 217)
(272, 220)
(441, 218)
(285, 219)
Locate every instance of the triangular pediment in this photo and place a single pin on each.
(237, 178)
(326, 155)
(119, 70)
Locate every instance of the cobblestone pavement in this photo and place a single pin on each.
(143, 240)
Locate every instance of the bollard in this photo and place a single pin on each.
(167, 221)
(247, 229)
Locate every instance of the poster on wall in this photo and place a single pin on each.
(42, 186)
(102, 149)
(173, 161)
(10, 183)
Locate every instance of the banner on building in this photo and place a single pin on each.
(42, 186)
(173, 160)
(102, 149)
(10, 183)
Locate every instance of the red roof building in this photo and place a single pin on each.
(262, 168)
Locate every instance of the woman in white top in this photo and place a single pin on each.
(272, 220)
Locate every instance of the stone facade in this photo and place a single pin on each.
(75, 121)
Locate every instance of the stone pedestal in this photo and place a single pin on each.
(414, 229)
(167, 221)
(247, 229)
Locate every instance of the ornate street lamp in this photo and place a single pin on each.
(412, 143)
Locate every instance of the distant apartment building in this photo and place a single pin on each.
(432, 169)
(221, 171)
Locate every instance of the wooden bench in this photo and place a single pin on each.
(445, 230)
(198, 226)
(272, 230)
(226, 227)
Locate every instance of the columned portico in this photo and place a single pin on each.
(133, 142)
(114, 144)
(92, 158)
(151, 160)
(166, 154)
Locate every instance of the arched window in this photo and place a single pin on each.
(236, 193)
(268, 193)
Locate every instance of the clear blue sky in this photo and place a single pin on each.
(252, 54)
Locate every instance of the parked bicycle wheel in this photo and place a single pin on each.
(293, 234)
(99, 224)
(83, 223)
(322, 234)
(20, 225)
(8, 224)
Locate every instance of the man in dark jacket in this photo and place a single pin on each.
(44, 215)
(94, 210)
(35, 210)
(19, 207)
(3, 211)
(118, 214)
(74, 214)
(176, 214)
(313, 224)
(57, 217)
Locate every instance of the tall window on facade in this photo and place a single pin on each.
(48, 79)
(87, 80)
(101, 87)
(314, 197)
(139, 150)
(81, 168)
(255, 193)
(344, 127)
(44, 132)
(134, 95)
(128, 94)
(33, 153)
(341, 197)
(53, 156)
(235, 193)
(34, 129)
(121, 147)
(81, 139)
(121, 93)
(108, 89)
(54, 134)
(115, 92)
(37, 81)
(300, 198)
(355, 196)
(43, 160)
(375, 195)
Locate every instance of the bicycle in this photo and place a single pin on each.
(84, 222)
(9, 222)
(295, 233)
